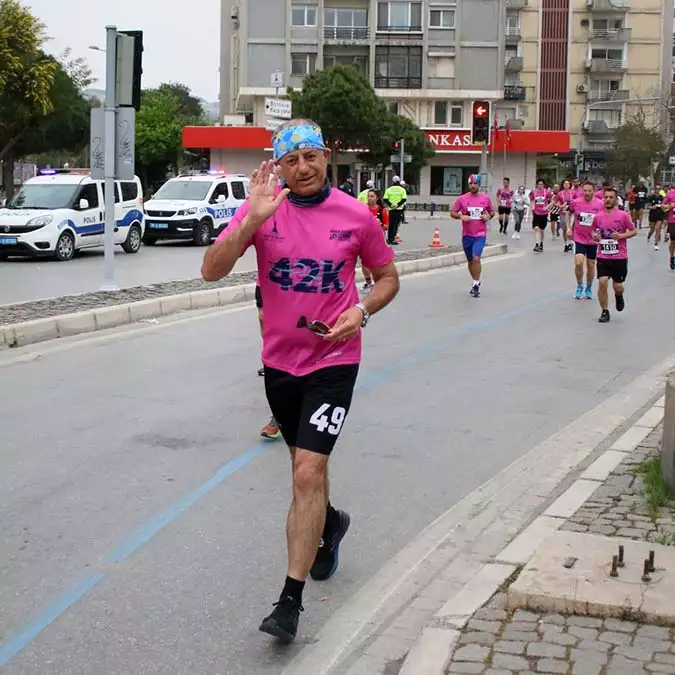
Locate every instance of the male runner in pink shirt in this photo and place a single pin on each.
(308, 238)
(612, 228)
(540, 198)
(504, 202)
(577, 190)
(474, 208)
(584, 211)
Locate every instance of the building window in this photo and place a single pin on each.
(512, 25)
(401, 16)
(359, 62)
(441, 67)
(448, 114)
(607, 25)
(612, 118)
(303, 15)
(441, 18)
(605, 86)
(398, 67)
(393, 107)
(345, 24)
(450, 180)
(303, 64)
(615, 55)
(512, 79)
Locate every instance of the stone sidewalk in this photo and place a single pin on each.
(496, 641)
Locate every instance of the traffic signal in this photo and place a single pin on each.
(138, 66)
(480, 127)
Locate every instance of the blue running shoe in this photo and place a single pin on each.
(580, 292)
(589, 292)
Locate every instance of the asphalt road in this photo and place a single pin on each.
(143, 521)
(22, 280)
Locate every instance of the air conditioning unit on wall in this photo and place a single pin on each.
(582, 89)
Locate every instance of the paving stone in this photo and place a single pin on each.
(552, 666)
(594, 645)
(584, 621)
(528, 617)
(510, 647)
(550, 628)
(590, 656)
(621, 639)
(654, 632)
(620, 665)
(484, 626)
(472, 653)
(519, 635)
(629, 532)
(522, 626)
(585, 633)
(546, 650)
(564, 639)
(661, 667)
(651, 645)
(498, 601)
(601, 529)
(493, 671)
(581, 668)
(571, 526)
(467, 668)
(510, 662)
(557, 619)
(637, 653)
(476, 636)
(489, 614)
(664, 658)
(620, 626)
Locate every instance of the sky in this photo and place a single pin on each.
(181, 39)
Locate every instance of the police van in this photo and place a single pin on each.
(194, 206)
(60, 212)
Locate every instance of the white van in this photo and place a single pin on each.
(60, 213)
(194, 206)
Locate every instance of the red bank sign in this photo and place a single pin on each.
(451, 140)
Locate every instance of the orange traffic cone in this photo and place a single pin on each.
(436, 241)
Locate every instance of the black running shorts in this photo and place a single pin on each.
(671, 231)
(540, 220)
(616, 270)
(656, 214)
(258, 297)
(311, 409)
(504, 210)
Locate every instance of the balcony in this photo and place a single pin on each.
(513, 64)
(398, 82)
(621, 6)
(346, 34)
(598, 129)
(606, 65)
(516, 4)
(617, 96)
(411, 28)
(515, 92)
(618, 35)
(512, 34)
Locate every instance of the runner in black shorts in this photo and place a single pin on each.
(656, 215)
(638, 207)
(312, 337)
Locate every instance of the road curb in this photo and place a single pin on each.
(102, 318)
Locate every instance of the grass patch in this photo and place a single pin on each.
(657, 492)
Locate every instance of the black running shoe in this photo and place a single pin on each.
(326, 561)
(604, 317)
(620, 302)
(282, 623)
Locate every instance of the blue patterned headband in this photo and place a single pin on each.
(295, 138)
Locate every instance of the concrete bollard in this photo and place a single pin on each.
(668, 442)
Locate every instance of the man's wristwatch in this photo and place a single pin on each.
(366, 313)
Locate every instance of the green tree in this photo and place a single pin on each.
(392, 129)
(26, 79)
(637, 146)
(77, 69)
(342, 102)
(159, 127)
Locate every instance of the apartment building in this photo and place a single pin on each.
(583, 65)
(428, 59)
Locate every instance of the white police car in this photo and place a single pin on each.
(195, 206)
(60, 212)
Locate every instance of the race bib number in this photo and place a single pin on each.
(609, 246)
(539, 200)
(502, 202)
(475, 212)
(641, 195)
(586, 219)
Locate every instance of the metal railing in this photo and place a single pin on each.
(616, 95)
(512, 32)
(398, 82)
(346, 33)
(597, 65)
(411, 28)
(614, 35)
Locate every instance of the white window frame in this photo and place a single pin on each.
(454, 107)
(394, 107)
(306, 9)
(410, 4)
(598, 115)
(310, 63)
(348, 9)
(442, 9)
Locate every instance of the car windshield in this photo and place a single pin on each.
(44, 196)
(184, 189)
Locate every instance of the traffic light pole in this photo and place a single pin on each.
(483, 167)
(110, 151)
(402, 158)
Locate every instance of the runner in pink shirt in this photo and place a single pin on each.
(668, 206)
(577, 190)
(504, 203)
(474, 208)
(541, 199)
(308, 238)
(612, 228)
(564, 198)
(583, 212)
(600, 194)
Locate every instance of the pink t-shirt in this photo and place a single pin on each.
(564, 197)
(474, 206)
(584, 219)
(541, 199)
(505, 197)
(577, 193)
(600, 194)
(606, 223)
(306, 267)
(670, 199)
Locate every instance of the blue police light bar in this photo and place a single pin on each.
(47, 172)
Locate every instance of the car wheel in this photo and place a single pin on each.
(65, 247)
(133, 241)
(202, 236)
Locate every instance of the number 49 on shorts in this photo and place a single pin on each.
(323, 423)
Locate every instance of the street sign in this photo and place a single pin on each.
(671, 160)
(396, 159)
(277, 79)
(96, 144)
(272, 123)
(276, 107)
(125, 143)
